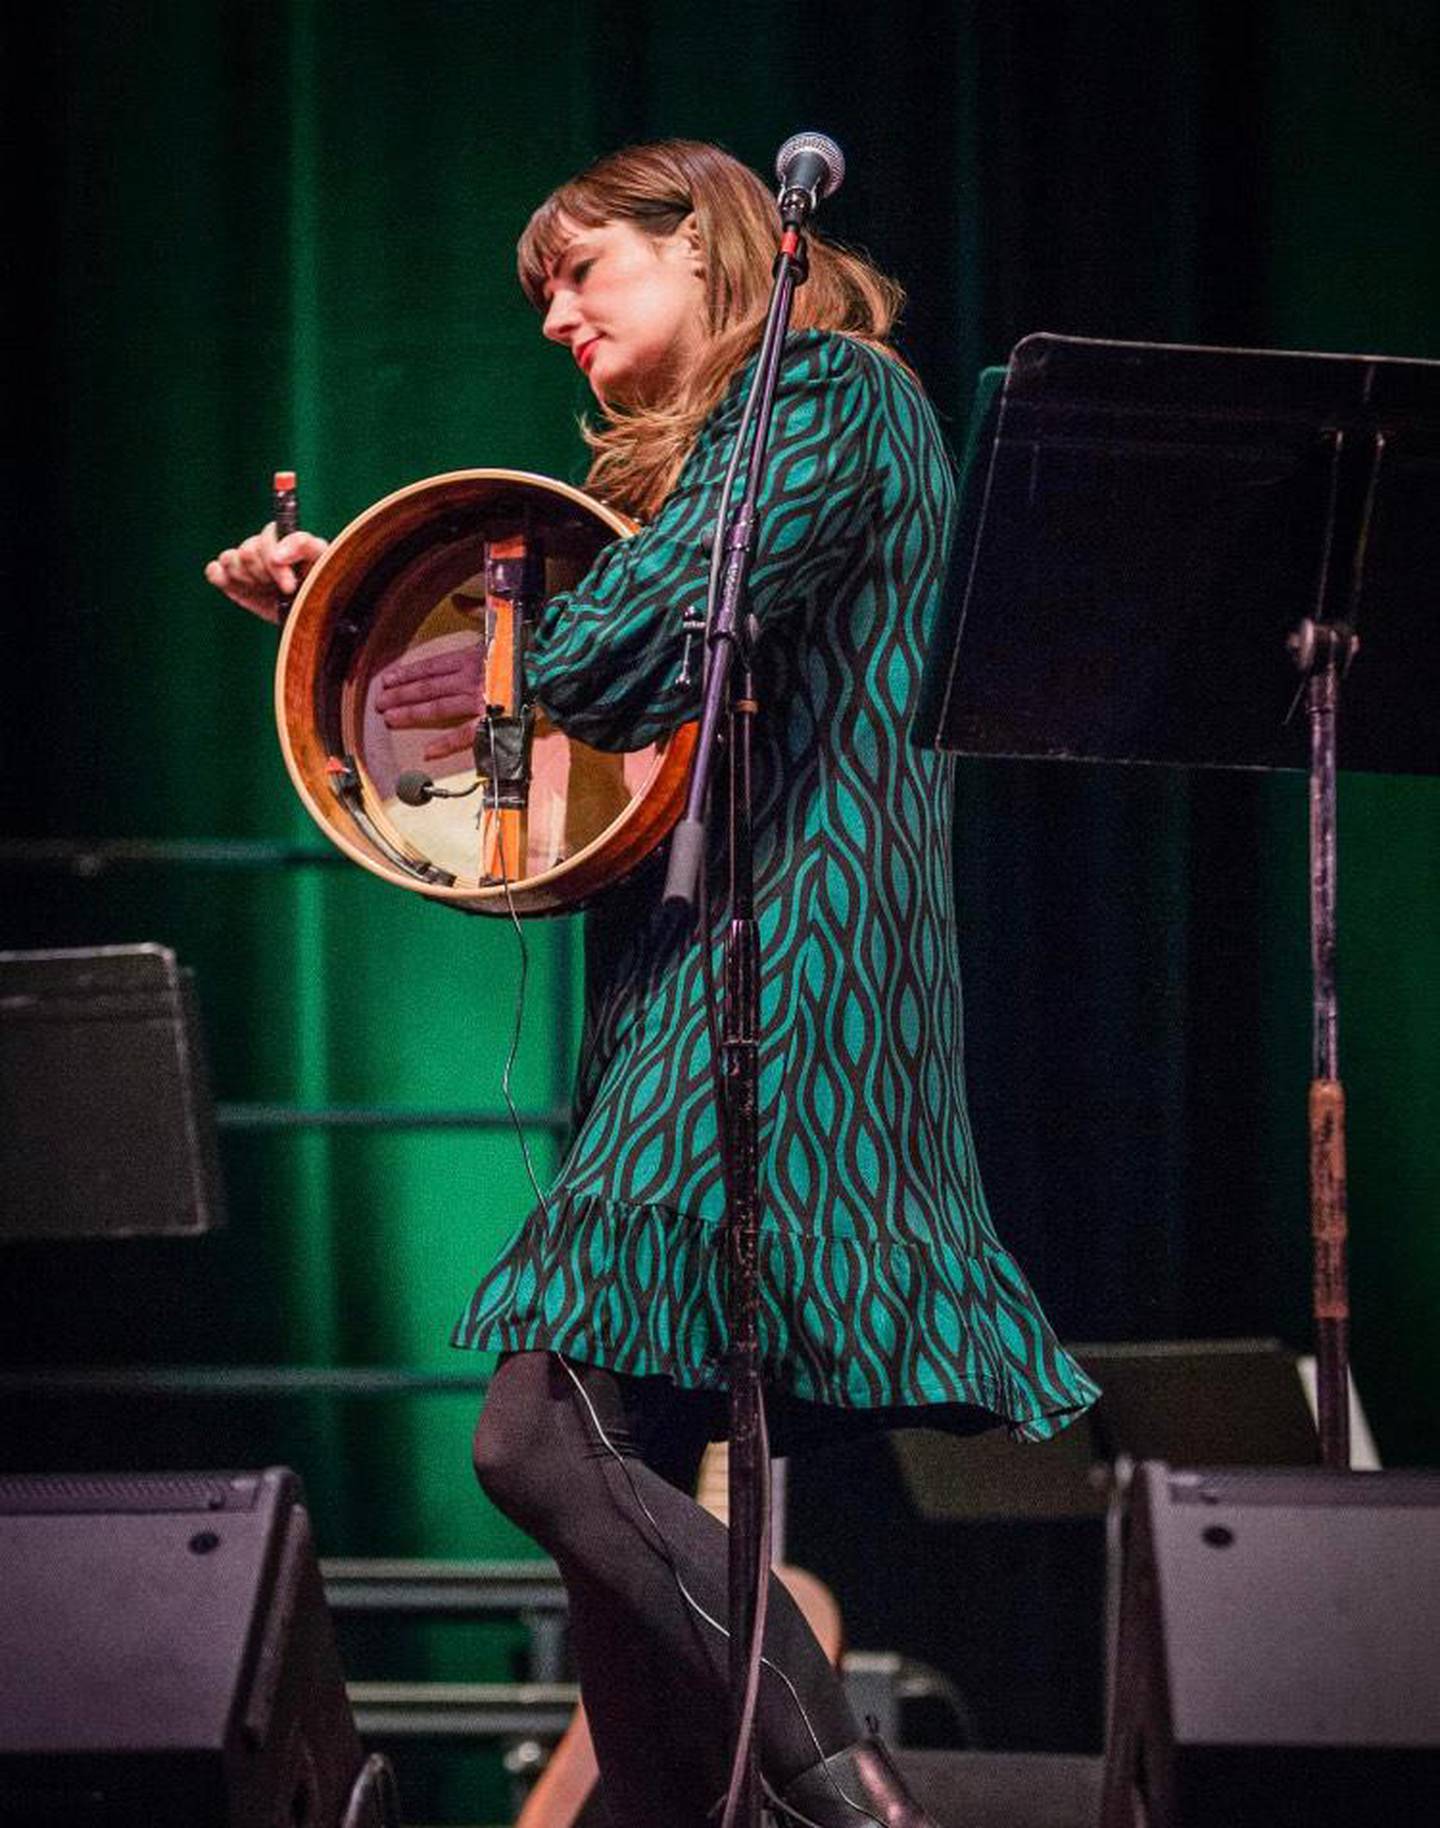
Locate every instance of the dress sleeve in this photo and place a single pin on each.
(604, 658)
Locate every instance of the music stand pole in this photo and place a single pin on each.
(1323, 652)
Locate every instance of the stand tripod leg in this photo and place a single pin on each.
(374, 1801)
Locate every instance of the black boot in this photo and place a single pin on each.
(853, 1787)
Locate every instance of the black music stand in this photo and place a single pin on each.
(107, 1129)
(1151, 539)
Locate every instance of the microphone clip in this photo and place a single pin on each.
(797, 204)
(502, 756)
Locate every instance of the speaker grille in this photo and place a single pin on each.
(1302, 1485)
(135, 1494)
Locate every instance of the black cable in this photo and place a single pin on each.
(515, 1032)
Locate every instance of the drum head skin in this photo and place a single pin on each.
(407, 581)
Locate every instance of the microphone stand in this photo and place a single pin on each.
(729, 698)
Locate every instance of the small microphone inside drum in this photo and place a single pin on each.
(414, 787)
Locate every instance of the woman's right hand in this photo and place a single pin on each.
(262, 570)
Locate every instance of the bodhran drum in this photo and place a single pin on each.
(414, 578)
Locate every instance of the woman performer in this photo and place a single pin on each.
(886, 1296)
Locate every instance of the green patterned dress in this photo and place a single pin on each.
(884, 1284)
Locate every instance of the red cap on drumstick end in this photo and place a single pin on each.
(284, 482)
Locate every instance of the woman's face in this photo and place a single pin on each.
(629, 306)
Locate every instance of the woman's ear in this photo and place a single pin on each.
(690, 229)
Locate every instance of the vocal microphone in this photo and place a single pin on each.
(809, 166)
(415, 787)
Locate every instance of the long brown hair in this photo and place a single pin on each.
(638, 451)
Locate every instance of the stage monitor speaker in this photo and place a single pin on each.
(167, 1659)
(1279, 1657)
(107, 1129)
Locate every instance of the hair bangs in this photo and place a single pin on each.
(549, 231)
(647, 185)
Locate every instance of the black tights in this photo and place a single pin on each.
(653, 1674)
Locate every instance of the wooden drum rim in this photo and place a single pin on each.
(643, 822)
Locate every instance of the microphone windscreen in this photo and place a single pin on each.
(415, 787)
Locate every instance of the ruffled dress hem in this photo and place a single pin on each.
(923, 1334)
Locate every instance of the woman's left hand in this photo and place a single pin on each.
(429, 691)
